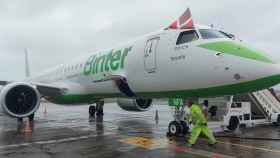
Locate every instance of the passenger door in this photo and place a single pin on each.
(150, 56)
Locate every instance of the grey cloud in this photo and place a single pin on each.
(57, 31)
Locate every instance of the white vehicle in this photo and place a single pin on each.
(249, 110)
(239, 113)
(182, 60)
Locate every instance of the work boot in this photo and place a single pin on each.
(212, 144)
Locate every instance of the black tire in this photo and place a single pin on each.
(278, 121)
(99, 108)
(99, 112)
(91, 110)
(233, 123)
(185, 127)
(174, 128)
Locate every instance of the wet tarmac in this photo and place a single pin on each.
(68, 132)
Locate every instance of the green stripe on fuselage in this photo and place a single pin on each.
(229, 47)
(243, 87)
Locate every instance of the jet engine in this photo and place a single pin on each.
(19, 99)
(136, 105)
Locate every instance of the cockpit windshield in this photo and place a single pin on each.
(212, 34)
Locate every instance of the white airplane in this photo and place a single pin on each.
(182, 60)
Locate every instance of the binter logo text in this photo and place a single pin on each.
(112, 61)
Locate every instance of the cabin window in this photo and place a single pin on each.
(212, 34)
(229, 35)
(187, 36)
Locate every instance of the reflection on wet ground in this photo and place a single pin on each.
(60, 131)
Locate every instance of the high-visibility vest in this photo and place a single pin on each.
(196, 115)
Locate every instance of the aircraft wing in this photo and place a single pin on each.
(3, 83)
(44, 89)
(49, 90)
(115, 77)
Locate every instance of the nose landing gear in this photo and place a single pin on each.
(178, 127)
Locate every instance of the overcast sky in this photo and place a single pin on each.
(57, 31)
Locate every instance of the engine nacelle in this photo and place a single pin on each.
(135, 104)
(19, 99)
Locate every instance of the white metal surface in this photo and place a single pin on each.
(268, 103)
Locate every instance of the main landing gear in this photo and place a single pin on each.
(96, 110)
(178, 127)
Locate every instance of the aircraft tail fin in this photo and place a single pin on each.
(27, 69)
(185, 21)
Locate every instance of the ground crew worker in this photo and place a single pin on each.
(199, 123)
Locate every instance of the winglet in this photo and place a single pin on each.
(183, 22)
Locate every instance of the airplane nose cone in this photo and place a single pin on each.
(251, 68)
(237, 49)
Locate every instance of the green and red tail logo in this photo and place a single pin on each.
(183, 22)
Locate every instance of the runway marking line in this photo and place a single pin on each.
(140, 141)
(198, 152)
(151, 144)
(64, 140)
(247, 146)
(251, 147)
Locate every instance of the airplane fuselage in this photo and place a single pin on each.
(160, 65)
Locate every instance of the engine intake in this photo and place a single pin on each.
(136, 105)
(19, 99)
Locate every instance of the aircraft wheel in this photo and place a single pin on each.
(233, 123)
(99, 108)
(174, 128)
(91, 110)
(277, 123)
(100, 112)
